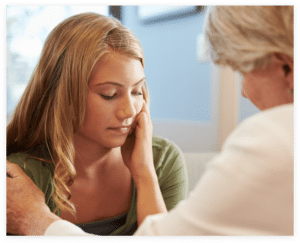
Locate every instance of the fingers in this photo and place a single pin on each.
(9, 169)
(145, 112)
(144, 115)
(144, 123)
(145, 106)
(146, 109)
(13, 170)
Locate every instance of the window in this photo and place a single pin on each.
(27, 29)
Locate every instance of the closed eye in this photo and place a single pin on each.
(107, 97)
(137, 93)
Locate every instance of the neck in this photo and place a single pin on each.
(91, 157)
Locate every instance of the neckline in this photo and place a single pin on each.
(129, 213)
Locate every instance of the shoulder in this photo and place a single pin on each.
(265, 140)
(274, 118)
(160, 143)
(36, 169)
(167, 156)
(273, 125)
(41, 173)
(171, 170)
(164, 149)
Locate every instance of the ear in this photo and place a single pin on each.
(288, 67)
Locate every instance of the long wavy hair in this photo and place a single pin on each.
(53, 105)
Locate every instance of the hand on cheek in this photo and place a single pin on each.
(144, 126)
(139, 110)
(137, 150)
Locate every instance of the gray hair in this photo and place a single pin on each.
(244, 37)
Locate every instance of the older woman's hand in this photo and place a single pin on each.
(26, 211)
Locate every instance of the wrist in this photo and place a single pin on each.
(149, 197)
(145, 179)
(142, 170)
(39, 221)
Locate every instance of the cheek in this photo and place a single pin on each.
(96, 110)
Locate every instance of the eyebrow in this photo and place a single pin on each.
(121, 85)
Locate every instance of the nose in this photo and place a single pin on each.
(126, 108)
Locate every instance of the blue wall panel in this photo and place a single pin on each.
(179, 84)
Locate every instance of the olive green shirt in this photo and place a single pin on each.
(170, 169)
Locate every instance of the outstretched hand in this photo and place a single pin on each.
(137, 149)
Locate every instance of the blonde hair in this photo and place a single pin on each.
(53, 105)
(244, 37)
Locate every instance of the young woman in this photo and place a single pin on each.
(82, 129)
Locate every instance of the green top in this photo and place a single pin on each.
(169, 166)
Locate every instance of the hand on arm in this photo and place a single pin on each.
(26, 211)
(138, 157)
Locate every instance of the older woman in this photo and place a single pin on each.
(247, 189)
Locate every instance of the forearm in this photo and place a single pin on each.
(149, 197)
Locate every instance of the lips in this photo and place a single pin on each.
(121, 130)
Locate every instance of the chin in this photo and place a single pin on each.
(115, 143)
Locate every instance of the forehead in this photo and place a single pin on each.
(117, 67)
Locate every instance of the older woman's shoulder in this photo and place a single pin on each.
(282, 114)
(265, 140)
(280, 110)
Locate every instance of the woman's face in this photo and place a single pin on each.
(114, 100)
(269, 87)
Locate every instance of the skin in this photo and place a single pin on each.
(38, 214)
(266, 89)
(114, 105)
(115, 141)
(271, 86)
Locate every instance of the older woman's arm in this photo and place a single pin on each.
(25, 217)
(31, 216)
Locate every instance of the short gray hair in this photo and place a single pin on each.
(244, 37)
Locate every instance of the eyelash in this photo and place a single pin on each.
(107, 97)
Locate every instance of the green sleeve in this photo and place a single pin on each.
(171, 171)
(41, 173)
